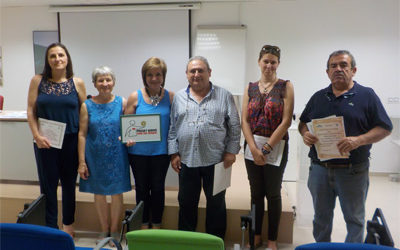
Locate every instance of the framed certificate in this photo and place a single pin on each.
(330, 131)
(141, 128)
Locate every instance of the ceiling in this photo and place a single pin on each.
(11, 3)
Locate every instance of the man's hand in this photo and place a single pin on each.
(347, 144)
(229, 159)
(309, 139)
(176, 162)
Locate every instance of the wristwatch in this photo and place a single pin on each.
(264, 151)
(265, 147)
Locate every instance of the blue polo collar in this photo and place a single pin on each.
(351, 92)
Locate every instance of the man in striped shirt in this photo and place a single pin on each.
(204, 131)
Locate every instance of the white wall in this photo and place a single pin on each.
(309, 30)
(302, 28)
(124, 42)
(306, 30)
(17, 25)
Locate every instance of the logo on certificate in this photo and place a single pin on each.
(131, 131)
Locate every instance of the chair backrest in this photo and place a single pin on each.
(341, 246)
(162, 239)
(378, 231)
(34, 212)
(1, 102)
(134, 217)
(26, 236)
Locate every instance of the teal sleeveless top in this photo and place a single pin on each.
(163, 108)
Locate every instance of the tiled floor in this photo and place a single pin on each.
(382, 193)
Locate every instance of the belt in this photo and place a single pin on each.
(334, 165)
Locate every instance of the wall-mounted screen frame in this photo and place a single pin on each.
(41, 40)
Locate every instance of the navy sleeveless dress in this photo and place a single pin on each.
(59, 102)
(106, 156)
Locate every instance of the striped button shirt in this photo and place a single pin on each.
(202, 132)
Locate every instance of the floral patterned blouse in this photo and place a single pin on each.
(265, 111)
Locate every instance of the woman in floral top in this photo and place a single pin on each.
(266, 117)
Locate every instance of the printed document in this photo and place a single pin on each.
(222, 178)
(274, 157)
(54, 131)
(329, 130)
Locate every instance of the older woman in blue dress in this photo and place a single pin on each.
(103, 159)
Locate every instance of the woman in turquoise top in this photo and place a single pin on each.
(103, 159)
(150, 160)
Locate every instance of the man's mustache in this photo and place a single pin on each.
(338, 74)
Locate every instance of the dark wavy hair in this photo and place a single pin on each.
(46, 73)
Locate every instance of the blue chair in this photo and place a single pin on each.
(339, 246)
(25, 236)
(378, 237)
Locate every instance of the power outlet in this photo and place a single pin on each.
(394, 100)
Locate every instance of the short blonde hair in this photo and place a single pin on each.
(151, 63)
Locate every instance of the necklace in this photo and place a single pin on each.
(155, 99)
(265, 89)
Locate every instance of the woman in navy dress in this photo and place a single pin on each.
(57, 95)
(103, 159)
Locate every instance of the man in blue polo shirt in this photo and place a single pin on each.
(365, 122)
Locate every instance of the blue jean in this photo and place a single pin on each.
(351, 186)
(190, 182)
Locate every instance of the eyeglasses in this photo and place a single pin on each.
(270, 48)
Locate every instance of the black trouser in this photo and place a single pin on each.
(58, 165)
(190, 180)
(149, 173)
(266, 181)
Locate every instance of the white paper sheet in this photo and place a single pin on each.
(54, 131)
(222, 178)
(274, 157)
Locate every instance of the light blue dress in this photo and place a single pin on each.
(106, 156)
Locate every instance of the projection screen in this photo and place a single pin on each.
(124, 41)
